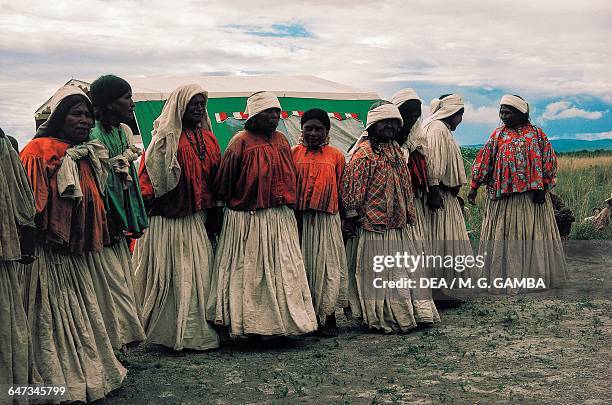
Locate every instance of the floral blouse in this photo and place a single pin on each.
(515, 161)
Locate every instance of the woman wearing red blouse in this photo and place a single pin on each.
(173, 259)
(261, 282)
(69, 341)
(319, 170)
(519, 232)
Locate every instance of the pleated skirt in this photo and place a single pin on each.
(14, 336)
(447, 236)
(260, 277)
(112, 273)
(521, 240)
(173, 263)
(387, 309)
(69, 342)
(325, 262)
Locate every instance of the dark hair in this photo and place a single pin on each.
(317, 114)
(55, 122)
(251, 125)
(409, 105)
(104, 91)
(444, 96)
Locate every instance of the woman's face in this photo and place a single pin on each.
(455, 120)
(77, 124)
(509, 116)
(194, 112)
(386, 130)
(123, 108)
(267, 120)
(314, 132)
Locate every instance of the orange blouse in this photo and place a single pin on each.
(256, 172)
(318, 177)
(75, 225)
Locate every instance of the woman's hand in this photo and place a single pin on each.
(472, 196)
(539, 196)
(434, 198)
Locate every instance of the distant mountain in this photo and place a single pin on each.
(572, 145)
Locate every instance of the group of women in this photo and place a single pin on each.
(290, 227)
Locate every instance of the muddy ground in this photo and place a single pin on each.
(526, 349)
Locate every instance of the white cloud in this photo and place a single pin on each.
(594, 136)
(564, 109)
(483, 114)
(360, 43)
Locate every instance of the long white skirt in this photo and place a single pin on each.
(14, 336)
(70, 345)
(260, 277)
(388, 309)
(111, 271)
(448, 237)
(522, 240)
(325, 262)
(173, 262)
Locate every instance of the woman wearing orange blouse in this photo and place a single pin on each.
(319, 170)
(70, 345)
(519, 232)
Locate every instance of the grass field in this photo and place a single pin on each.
(584, 182)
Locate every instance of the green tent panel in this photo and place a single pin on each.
(147, 111)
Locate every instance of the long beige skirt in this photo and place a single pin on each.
(448, 237)
(14, 337)
(260, 277)
(521, 240)
(325, 262)
(111, 271)
(173, 262)
(388, 309)
(70, 345)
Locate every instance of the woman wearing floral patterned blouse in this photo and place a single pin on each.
(519, 233)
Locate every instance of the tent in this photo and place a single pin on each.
(346, 106)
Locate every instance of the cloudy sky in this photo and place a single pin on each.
(555, 53)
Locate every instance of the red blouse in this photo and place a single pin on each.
(193, 192)
(256, 172)
(515, 161)
(318, 177)
(418, 171)
(77, 225)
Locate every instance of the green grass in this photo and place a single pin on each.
(584, 182)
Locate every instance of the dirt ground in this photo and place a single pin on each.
(525, 349)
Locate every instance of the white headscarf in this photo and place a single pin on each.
(261, 101)
(515, 102)
(382, 112)
(442, 108)
(68, 179)
(416, 138)
(160, 158)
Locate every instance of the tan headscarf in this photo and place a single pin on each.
(515, 102)
(379, 113)
(416, 138)
(160, 158)
(68, 183)
(442, 108)
(261, 101)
